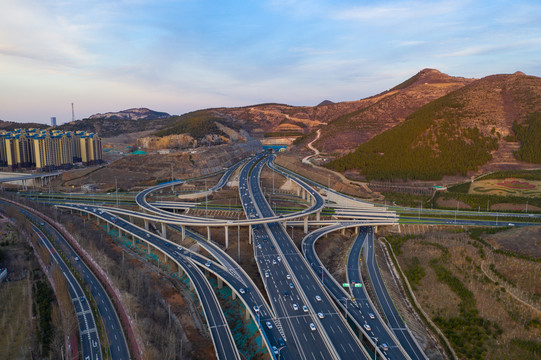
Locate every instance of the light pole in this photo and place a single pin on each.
(116, 191)
(238, 235)
(172, 179)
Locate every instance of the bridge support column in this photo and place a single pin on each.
(131, 219)
(88, 214)
(356, 230)
(343, 231)
(318, 215)
(183, 228)
(191, 285)
(376, 229)
(246, 314)
(148, 248)
(298, 191)
(108, 226)
(226, 237)
(306, 224)
(164, 230)
(233, 294)
(208, 233)
(146, 225)
(220, 283)
(119, 233)
(250, 234)
(98, 220)
(164, 258)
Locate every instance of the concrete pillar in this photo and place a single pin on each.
(131, 219)
(226, 237)
(246, 314)
(220, 283)
(250, 234)
(119, 233)
(146, 225)
(192, 287)
(148, 248)
(233, 294)
(164, 230)
(376, 229)
(180, 271)
(164, 258)
(183, 232)
(208, 233)
(343, 231)
(88, 214)
(98, 220)
(356, 230)
(108, 227)
(298, 191)
(306, 224)
(318, 215)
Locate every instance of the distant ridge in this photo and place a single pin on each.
(132, 114)
(325, 102)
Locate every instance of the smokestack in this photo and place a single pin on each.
(72, 113)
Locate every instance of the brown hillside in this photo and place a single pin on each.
(386, 110)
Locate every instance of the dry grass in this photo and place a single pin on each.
(491, 301)
(15, 320)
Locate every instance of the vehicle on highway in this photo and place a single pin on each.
(275, 350)
(274, 262)
(305, 308)
(320, 315)
(295, 307)
(384, 347)
(256, 308)
(367, 327)
(312, 327)
(318, 298)
(266, 274)
(82, 299)
(208, 263)
(242, 291)
(269, 325)
(148, 235)
(371, 316)
(179, 247)
(286, 293)
(76, 258)
(281, 342)
(291, 285)
(279, 258)
(288, 277)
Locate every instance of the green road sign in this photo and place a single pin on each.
(358, 285)
(345, 284)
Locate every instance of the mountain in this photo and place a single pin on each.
(386, 110)
(10, 125)
(132, 114)
(484, 123)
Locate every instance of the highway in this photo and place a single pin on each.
(338, 336)
(88, 332)
(394, 320)
(360, 311)
(118, 347)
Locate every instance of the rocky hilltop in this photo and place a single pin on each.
(132, 114)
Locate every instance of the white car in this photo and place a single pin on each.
(279, 258)
(367, 327)
(295, 307)
(384, 347)
(148, 235)
(318, 298)
(256, 308)
(207, 264)
(275, 350)
(266, 274)
(320, 315)
(305, 308)
(269, 325)
(288, 277)
(242, 291)
(371, 316)
(312, 327)
(274, 262)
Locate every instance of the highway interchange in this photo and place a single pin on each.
(304, 313)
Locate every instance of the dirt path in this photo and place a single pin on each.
(507, 289)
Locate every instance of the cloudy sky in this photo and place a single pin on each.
(182, 55)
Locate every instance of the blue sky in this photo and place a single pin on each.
(183, 55)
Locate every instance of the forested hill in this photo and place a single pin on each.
(456, 133)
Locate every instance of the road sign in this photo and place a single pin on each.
(345, 284)
(358, 285)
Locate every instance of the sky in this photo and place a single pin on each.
(183, 55)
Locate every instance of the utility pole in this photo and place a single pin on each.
(116, 191)
(172, 179)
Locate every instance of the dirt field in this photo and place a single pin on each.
(482, 318)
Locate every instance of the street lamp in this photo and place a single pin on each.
(375, 347)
